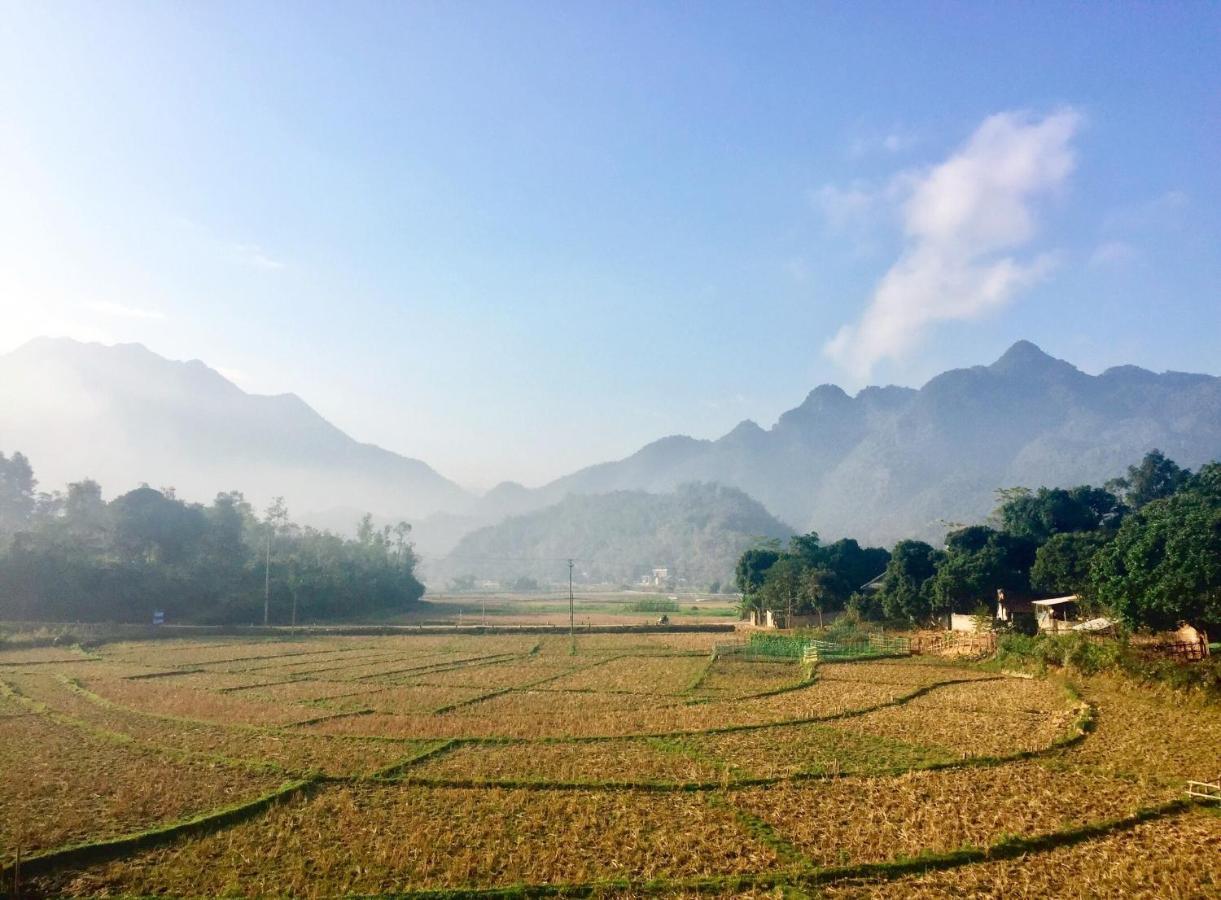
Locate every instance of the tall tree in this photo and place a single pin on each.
(17, 498)
(1154, 478)
(907, 584)
(1164, 566)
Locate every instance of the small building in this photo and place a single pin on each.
(1056, 613)
(1008, 607)
(965, 622)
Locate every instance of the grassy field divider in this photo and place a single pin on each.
(700, 677)
(761, 831)
(346, 714)
(391, 772)
(130, 742)
(475, 662)
(162, 673)
(78, 855)
(864, 873)
(530, 685)
(74, 685)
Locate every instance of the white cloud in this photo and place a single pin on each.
(120, 311)
(959, 220)
(846, 209)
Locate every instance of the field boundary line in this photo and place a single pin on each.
(131, 742)
(390, 772)
(346, 714)
(887, 870)
(761, 831)
(76, 855)
(528, 686)
(107, 703)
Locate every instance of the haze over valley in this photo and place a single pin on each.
(886, 464)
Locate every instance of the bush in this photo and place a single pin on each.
(1093, 655)
(655, 605)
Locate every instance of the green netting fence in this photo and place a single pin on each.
(809, 650)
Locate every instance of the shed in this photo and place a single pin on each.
(1056, 613)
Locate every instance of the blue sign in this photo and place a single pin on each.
(158, 617)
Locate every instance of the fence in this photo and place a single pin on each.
(872, 647)
(955, 642)
(1204, 790)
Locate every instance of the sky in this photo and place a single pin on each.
(513, 239)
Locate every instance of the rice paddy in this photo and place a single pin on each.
(638, 765)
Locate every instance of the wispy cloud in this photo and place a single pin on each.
(120, 311)
(243, 253)
(254, 256)
(896, 140)
(1112, 253)
(960, 219)
(1163, 211)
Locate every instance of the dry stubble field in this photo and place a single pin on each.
(463, 764)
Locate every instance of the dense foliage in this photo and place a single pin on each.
(696, 533)
(1145, 549)
(73, 556)
(807, 577)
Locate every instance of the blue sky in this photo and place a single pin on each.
(513, 239)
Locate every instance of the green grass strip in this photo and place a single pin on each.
(347, 714)
(78, 855)
(396, 769)
(890, 870)
(761, 832)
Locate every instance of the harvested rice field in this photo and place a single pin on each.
(639, 765)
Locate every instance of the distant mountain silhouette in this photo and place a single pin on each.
(696, 532)
(123, 414)
(888, 463)
(896, 462)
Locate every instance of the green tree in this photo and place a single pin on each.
(978, 561)
(1164, 566)
(752, 569)
(1062, 565)
(907, 591)
(17, 498)
(1037, 515)
(782, 586)
(820, 591)
(1154, 478)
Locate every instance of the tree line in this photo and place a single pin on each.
(1145, 548)
(73, 556)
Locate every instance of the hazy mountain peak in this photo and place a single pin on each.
(122, 414)
(1025, 357)
(745, 429)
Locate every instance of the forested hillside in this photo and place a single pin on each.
(71, 556)
(697, 532)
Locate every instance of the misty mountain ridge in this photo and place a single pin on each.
(696, 532)
(887, 463)
(894, 462)
(124, 415)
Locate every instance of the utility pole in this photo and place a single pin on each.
(267, 577)
(277, 513)
(572, 616)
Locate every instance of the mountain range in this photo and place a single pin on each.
(887, 463)
(696, 532)
(123, 415)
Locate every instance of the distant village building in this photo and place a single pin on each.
(660, 577)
